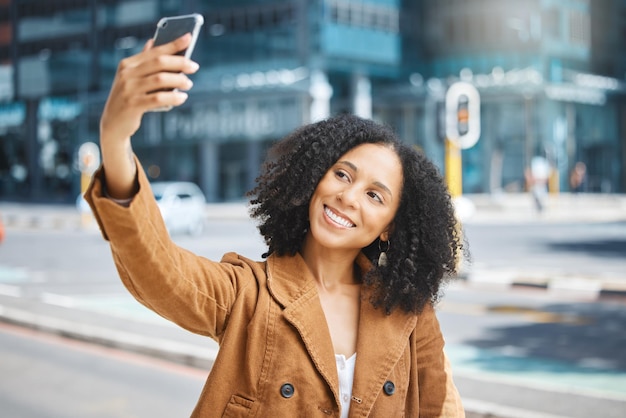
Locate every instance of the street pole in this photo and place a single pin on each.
(453, 168)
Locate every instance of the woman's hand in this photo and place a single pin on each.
(143, 82)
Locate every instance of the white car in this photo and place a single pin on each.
(182, 204)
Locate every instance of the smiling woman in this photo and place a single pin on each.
(376, 172)
(372, 220)
(300, 330)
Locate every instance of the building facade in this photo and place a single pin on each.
(550, 81)
(551, 85)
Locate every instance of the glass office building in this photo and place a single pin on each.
(551, 84)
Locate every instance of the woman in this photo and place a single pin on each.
(338, 319)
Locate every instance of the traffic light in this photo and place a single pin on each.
(462, 115)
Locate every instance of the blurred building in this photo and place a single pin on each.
(551, 82)
(550, 73)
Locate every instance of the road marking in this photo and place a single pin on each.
(58, 300)
(118, 305)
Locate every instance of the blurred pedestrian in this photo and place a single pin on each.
(338, 318)
(578, 177)
(537, 177)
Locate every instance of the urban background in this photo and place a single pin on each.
(550, 73)
(535, 322)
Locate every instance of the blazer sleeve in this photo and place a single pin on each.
(192, 291)
(452, 404)
(438, 395)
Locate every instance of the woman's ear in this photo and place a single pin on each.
(384, 236)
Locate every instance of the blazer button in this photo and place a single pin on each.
(287, 390)
(389, 388)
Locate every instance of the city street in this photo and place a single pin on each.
(46, 376)
(516, 351)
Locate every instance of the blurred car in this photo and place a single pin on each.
(183, 206)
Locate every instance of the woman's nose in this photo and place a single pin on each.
(348, 196)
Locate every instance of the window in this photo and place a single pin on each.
(579, 28)
(364, 15)
(250, 18)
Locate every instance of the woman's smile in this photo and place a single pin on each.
(338, 219)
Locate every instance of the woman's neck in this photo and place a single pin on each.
(330, 268)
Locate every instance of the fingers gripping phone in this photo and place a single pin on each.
(173, 27)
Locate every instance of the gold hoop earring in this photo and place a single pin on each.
(382, 258)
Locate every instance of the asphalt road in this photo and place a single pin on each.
(44, 376)
(594, 250)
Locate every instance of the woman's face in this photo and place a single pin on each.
(357, 199)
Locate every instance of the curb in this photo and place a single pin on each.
(591, 288)
(177, 352)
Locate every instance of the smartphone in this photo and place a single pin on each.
(173, 27)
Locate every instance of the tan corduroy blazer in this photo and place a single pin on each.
(276, 356)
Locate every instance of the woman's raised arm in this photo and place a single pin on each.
(143, 82)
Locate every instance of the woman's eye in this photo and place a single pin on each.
(375, 196)
(341, 174)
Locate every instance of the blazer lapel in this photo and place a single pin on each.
(381, 341)
(292, 286)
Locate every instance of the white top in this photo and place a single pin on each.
(345, 371)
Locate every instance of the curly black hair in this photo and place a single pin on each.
(425, 241)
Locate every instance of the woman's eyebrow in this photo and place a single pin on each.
(349, 164)
(385, 188)
(355, 169)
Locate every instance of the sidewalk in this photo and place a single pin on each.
(157, 337)
(564, 207)
(45, 217)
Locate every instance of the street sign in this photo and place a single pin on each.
(463, 114)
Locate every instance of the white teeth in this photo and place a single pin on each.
(338, 219)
